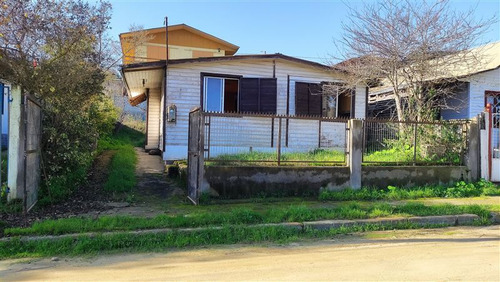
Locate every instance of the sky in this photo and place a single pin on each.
(304, 29)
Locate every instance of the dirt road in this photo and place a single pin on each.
(459, 253)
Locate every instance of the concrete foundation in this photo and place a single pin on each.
(241, 182)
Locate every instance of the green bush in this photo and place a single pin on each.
(70, 136)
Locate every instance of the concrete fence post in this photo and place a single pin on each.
(472, 160)
(355, 152)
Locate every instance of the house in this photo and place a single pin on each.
(4, 93)
(475, 86)
(204, 71)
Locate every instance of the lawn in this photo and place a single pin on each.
(244, 215)
(322, 157)
(121, 176)
(161, 242)
(232, 227)
(314, 157)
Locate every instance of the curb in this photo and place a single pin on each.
(446, 220)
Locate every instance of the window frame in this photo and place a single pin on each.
(204, 75)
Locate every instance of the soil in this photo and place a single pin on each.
(88, 198)
(152, 192)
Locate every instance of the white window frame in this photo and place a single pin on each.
(223, 89)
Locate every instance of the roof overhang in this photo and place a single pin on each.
(149, 65)
(138, 80)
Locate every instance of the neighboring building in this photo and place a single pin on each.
(475, 86)
(4, 93)
(184, 42)
(272, 84)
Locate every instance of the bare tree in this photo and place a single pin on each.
(417, 49)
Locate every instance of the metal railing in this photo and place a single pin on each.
(414, 143)
(240, 138)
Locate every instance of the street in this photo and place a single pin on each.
(457, 253)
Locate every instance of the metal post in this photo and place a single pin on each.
(319, 134)
(415, 144)
(208, 137)
(490, 148)
(272, 132)
(279, 141)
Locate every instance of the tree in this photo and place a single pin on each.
(58, 52)
(413, 47)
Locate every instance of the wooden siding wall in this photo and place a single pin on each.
(479, 83)
(154, 116)
(184, 91)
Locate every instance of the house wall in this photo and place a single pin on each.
(154, 116)
(489, 80)
(184, 83)
(5, 115)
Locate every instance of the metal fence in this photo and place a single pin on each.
(234, 138)
(416, 143)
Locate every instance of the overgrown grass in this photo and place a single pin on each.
(295, 213)
(314, 157)
(121, 176)
(459, 190)
(99, 244)
(318, 157)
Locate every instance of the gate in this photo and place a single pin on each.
(195, 155)
(493, 108)
(32, 122)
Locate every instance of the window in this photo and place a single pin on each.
(248, 95)
(322, 99)
(220, 94)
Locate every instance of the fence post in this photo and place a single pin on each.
(355, 152)
(279, 142)
(473, 154)
(415, 135)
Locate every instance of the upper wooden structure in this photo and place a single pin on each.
(184, 42)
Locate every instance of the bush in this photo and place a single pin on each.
(70, 136)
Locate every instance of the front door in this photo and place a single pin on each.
(493, 99)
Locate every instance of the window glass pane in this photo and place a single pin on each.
(213, 94)
(330, 105)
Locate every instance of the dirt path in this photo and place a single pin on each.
(458, 253)
(153, 189)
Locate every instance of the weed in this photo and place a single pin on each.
(459, 190)
(238, 216)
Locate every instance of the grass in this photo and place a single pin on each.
(99, 244)
(459, 190)
(319, 157)
(240, 216)
(314, 157)
(121, 176)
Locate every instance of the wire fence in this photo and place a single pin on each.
(253, 139)
(415, 143)
(235, 138)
